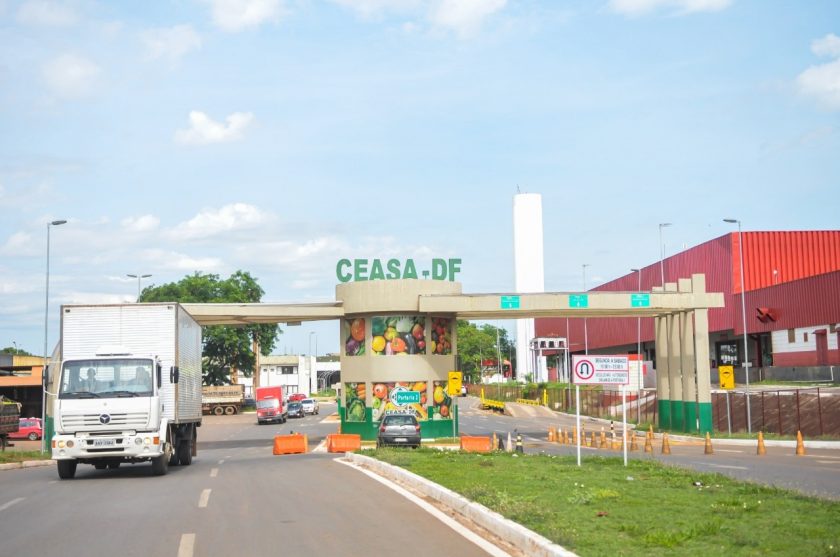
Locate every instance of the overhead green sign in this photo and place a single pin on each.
(376, 269)
(509, 302)
(578, 300)
(640, 300)
(401, 398)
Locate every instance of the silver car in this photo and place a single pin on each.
(399, 429)
(310, 406)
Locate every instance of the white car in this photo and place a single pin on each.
(310, 406)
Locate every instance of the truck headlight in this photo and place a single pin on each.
(138, 441)
(70, 444)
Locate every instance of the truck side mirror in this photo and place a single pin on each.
(159, 375)
(174, 374)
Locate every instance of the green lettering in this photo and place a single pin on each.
(360, 269)
(376, 272)
(410, 270)
(393, 269)
(340, 273)
(438, 269)
(454, 267)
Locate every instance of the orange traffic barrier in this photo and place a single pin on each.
(761, 451)
(800, 446)
(708, 448)
(343, 442)
(471, 444)
(666, 446)
(296, 443)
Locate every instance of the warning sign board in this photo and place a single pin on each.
(600, 370)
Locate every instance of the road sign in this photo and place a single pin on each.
(401, 398)
(601, 370)
(578, 300)
(509, 302)
(640, 300)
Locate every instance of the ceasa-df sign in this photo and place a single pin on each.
(601, 370)
(393, 269)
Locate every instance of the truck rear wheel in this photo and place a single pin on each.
(218, 410)
(185, 452)
(66, 469)
(230, 410)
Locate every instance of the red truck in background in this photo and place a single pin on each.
(270, 405)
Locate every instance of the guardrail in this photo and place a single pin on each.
(489, 404)
(528, 401)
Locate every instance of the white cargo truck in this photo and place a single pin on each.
(129, 389)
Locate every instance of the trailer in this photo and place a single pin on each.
(224, 399)
(9, 419)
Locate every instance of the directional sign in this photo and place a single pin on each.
(509, 302)
(578, 300)
(401, 398)
(640, 300)
(601, 370)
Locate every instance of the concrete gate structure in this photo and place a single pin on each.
(378, 316)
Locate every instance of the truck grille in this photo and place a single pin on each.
(125, 420)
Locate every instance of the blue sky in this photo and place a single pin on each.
(280, 136)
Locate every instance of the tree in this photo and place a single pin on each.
(479, 343)
(13, 351)
(226, 347)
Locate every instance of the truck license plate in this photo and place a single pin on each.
(104, 442)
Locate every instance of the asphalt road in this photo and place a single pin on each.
(816, 473)
(235, 499)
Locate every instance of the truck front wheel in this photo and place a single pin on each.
(66, 469)
(160, 465)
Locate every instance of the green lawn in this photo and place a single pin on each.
(19, 456)
(603, 508)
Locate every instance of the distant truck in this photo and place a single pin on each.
(271, 407)
(224, 399)
(129, 388)
(9, 419)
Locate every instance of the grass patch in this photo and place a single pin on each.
(8, 456)
(647, 508)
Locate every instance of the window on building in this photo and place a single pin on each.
(791, 336)
(289, 370)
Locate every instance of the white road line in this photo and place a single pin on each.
(828, 462)
(222, 461)
(435, 512)
(728, 467)
(10, 503)
(727, 451)
(187, 545)
(214, 472)
(204, 499)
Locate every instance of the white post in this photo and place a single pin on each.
(624, 419)
(577, 420)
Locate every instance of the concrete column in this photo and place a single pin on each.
(701, 358)
(663, 390)
(674, 363)
(689, 375)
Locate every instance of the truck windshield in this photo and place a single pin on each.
(107, 378)
(268, 403)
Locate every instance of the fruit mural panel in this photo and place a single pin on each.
(354, 337)
(398, 335)
(442, 408)
(390, 398)
(441, 333)
(354, 402)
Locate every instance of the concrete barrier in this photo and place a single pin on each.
(343, 442)
(291, 444)
(476, 444)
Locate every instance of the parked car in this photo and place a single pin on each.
(310, 406)
(463, 390)
(297, 397)
(399, 429)
(30, 428)
(295, 410)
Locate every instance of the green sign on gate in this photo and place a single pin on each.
(401, 398)
(640, 300)
(509, 302)
(578, 300)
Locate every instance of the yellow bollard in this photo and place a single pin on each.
(708, 448)
(761, 451)
(666, 447)
(800, 445)
(649, 442)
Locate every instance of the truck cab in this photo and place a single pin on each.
(270, 405)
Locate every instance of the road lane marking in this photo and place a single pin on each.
(214, 472)
(828, 462)
(727, 451)
(187, 545)
(204, 499)
(222, 461)
(12, 502)
(435, 512)
(728, 467)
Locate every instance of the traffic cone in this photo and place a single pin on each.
(592, 442)
(550, 433)
(603, 444)
(509, 446)
(495, 442)
(761, 451)
(708, 449)
(666, 447)
(519, 447)
(574, 436)
(633, 445)
(800, 446)
(649, 442)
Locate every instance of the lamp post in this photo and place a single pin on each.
(662, 252)
(744, 317)
(314, 359)
(585, 332)
(46, 333)
(139, 277)
(640, 361)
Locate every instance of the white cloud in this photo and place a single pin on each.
(46, 13)
(827, 46)
(642, 7)
(209, 222)
(144, 223)
(376, 8)
(175, 261)
(171, 43)
(464, 16)
(237, 15)
(71, 76)
(20, 244)
(203, 130)
(822, 82)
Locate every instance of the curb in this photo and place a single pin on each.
(529, 542)
(26, 464)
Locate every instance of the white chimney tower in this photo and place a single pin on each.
(530, 274)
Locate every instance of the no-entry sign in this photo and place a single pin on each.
(601, 370)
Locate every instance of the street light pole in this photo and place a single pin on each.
(46, 333)
(314, 358)
(640, 360)
(585, 332)
(662, 252)
(744, 317)
(139, 277)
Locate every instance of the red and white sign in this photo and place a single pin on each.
(600, 370)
